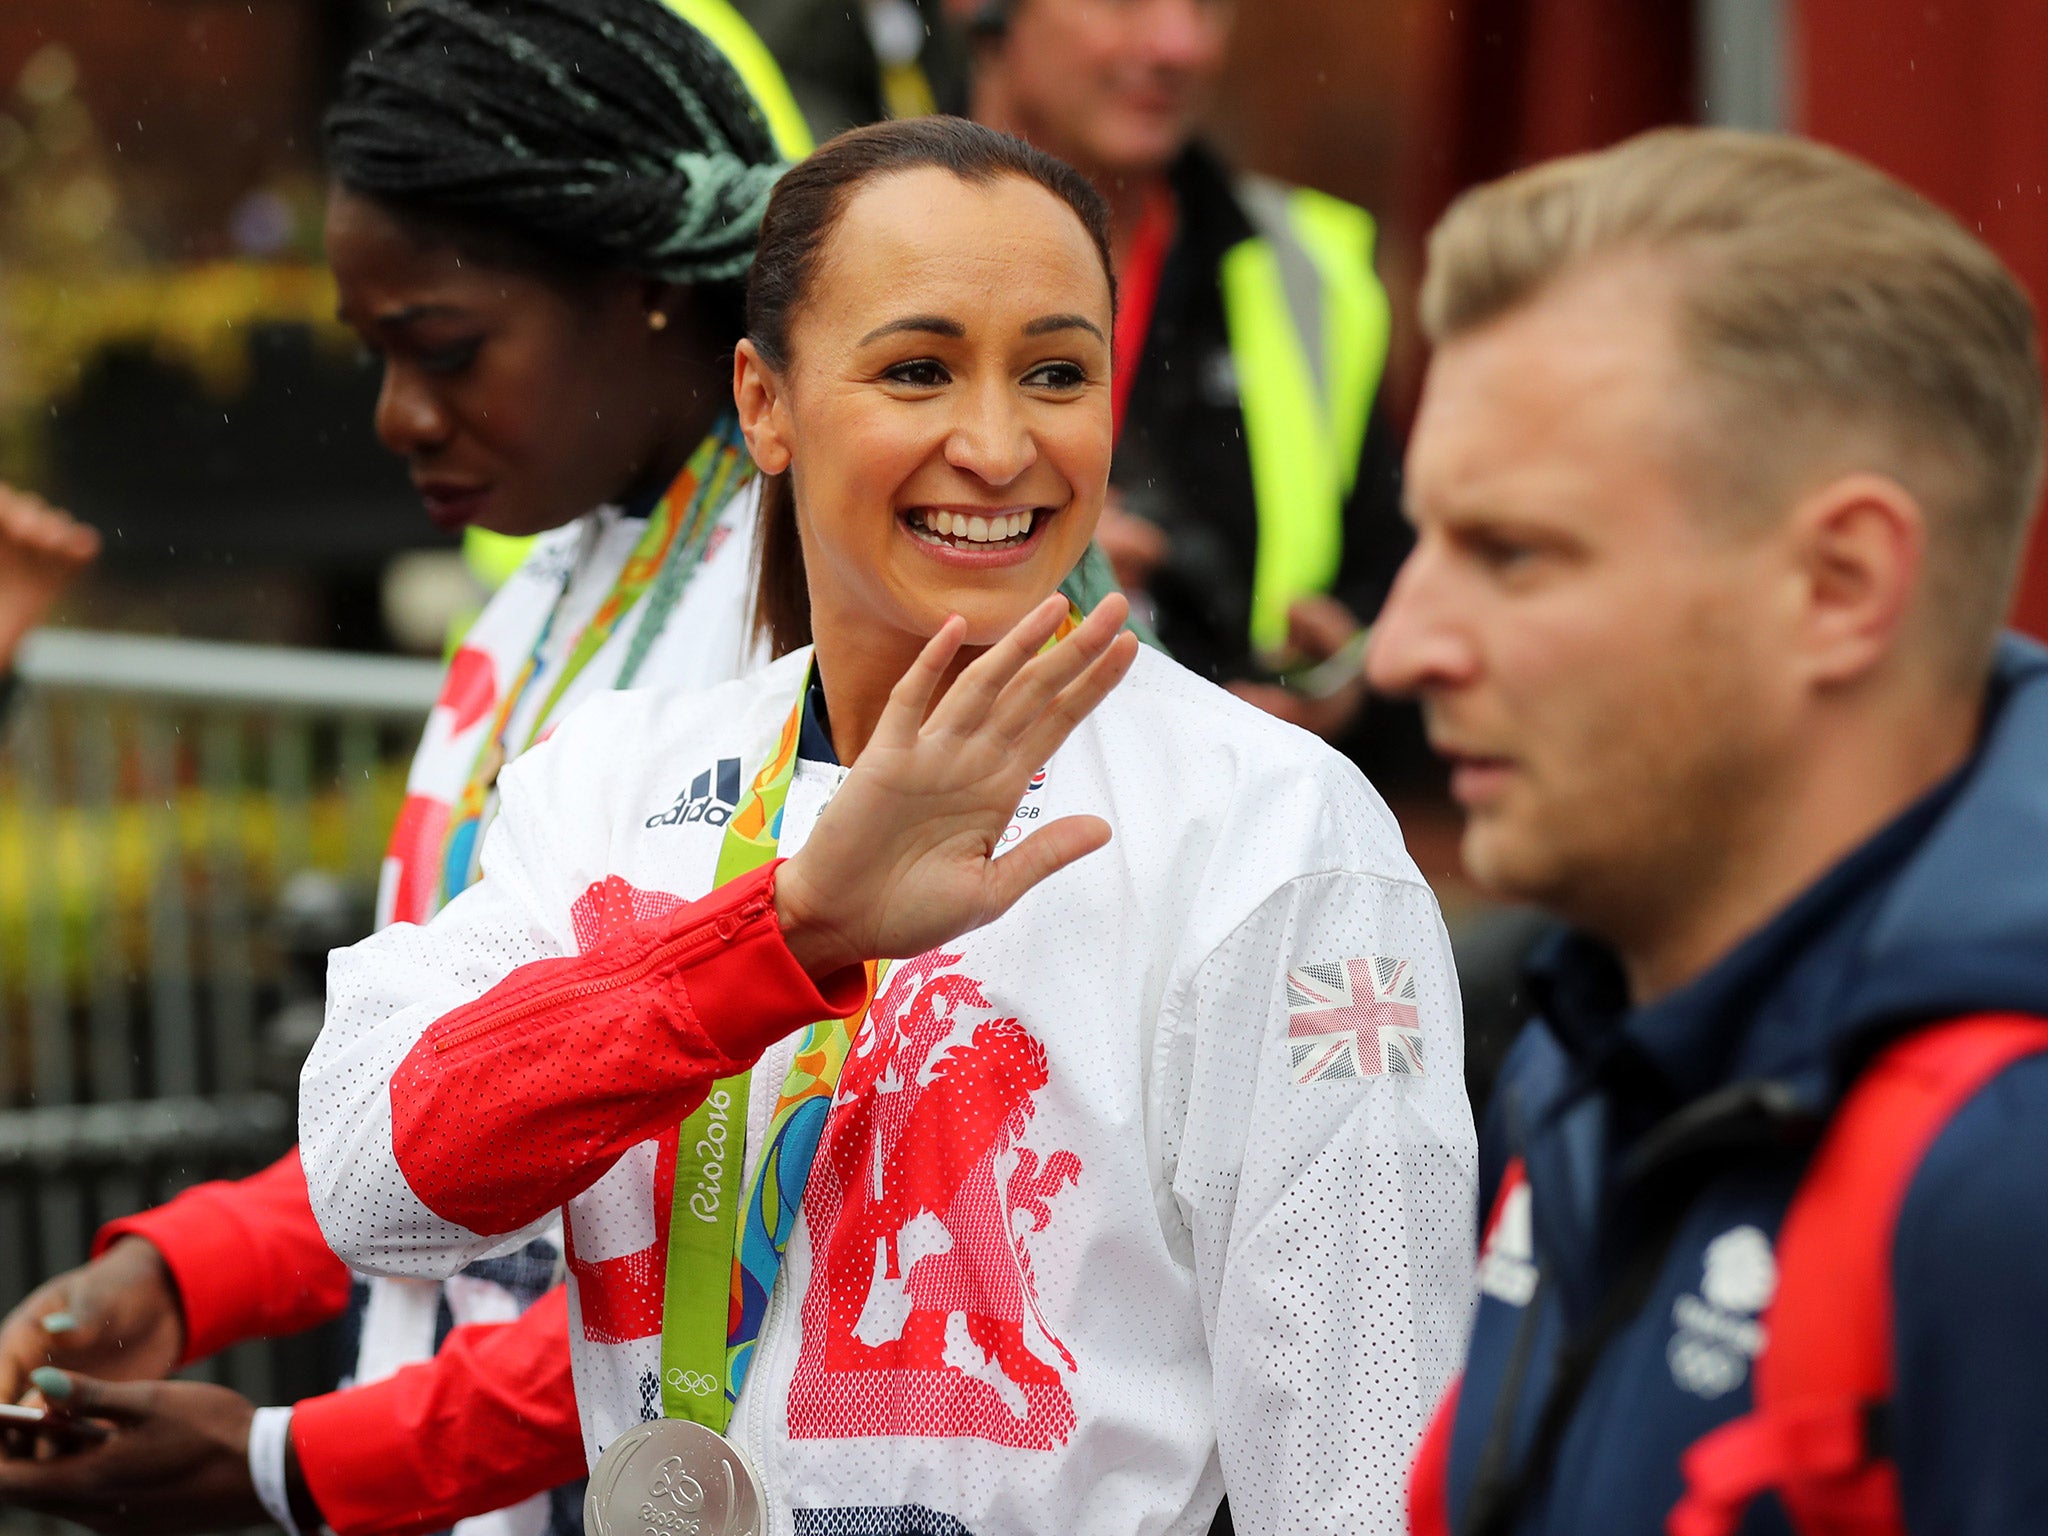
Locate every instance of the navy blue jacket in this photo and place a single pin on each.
(1700, 1108)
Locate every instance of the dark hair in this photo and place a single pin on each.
(801, 216)
(589, 134)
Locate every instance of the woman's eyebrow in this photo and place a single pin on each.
(397, 319)
(931, 325)
(1045, 325)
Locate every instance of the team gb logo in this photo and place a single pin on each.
(1718, 1334)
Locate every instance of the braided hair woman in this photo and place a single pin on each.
(541, 220)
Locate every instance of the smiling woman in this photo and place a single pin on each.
(966, 357)
(1121, 1181)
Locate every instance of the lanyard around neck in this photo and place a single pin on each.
(1138, 296)
(723, 1256)
(670, 548)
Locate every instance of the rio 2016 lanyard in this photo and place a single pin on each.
(722, 1269)
(670, 548)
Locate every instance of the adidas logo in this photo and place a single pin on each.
(705, 801)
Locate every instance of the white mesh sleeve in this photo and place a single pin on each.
(1328, 1186)
(383, 994)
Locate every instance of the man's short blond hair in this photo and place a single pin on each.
(1825, 302)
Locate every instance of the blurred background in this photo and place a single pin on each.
(209, 750)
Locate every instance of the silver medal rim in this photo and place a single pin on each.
(701, 1446)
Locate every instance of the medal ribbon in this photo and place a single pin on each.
(660, 566)
(722, 1266)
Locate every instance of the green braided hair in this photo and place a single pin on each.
(605, 133)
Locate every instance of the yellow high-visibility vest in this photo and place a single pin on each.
(493, 557)
(1308, 324)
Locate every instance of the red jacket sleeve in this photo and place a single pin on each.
(246, 1256)
(510, 1105)
(489, 1421)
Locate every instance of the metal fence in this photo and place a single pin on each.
(184, 828)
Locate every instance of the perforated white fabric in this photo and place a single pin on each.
(1110, 1214)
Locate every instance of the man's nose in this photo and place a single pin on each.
(1417, 643)
(990, 439)
(1185, 34)
(410, 420)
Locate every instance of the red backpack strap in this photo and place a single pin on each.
(1826, 1369)
(1429, 1477)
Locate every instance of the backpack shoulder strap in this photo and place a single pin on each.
(1824, 1379)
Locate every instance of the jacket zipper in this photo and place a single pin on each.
(688, 948)
(758, 1424)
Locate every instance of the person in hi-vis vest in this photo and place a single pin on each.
(1258, 505)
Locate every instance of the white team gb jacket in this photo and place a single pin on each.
(1215, 1234)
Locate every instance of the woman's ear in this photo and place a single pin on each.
(758, 394)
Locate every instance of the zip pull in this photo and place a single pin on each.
(731, 922)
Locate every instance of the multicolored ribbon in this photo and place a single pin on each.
(660, 566)
(722, 1266)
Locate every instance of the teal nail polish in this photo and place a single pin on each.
(51, 1382)
(59, 1322)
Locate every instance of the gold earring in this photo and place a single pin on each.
(657, 319)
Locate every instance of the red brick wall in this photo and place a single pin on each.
(1949, 98)
(1400, 104)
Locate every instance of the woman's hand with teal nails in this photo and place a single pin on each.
(117, 1317)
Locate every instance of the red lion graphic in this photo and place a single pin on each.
(922, 1316)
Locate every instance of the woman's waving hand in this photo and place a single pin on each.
(904, 858)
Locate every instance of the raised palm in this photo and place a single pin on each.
(904, 858)
(41, 550)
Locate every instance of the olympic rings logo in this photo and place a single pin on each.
(696, 1383)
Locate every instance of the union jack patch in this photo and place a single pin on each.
(1354, 1018)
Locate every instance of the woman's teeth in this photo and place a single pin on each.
(961, 527)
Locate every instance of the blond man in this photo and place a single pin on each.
(1722, 474)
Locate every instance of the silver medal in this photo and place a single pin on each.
(672, 1477)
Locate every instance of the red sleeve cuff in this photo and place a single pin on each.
(486, 1423)
(246, 1258)
(214, 1296)
(748, 992)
